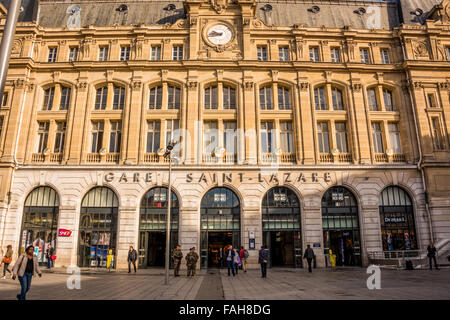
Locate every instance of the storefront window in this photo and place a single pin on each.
(397, 220)
(98, 227)
(40, 221)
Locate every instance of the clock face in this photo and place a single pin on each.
(219, 34)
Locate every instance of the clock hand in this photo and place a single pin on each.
(215, 34)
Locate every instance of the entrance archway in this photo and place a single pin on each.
(281, 225)
(340, 221)
(220, 224)
(40, 221)
(398, 229)
(98, 227)
(152, 226)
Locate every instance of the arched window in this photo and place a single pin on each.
(101, 97)
(220, 223)
(119, 98)
(98, 227)
(398, 229)
(284, 98)
(211, 99)
(174, 101)
(155, 97)
(388, 100)
(319, 98)
(265, 98)
(152, 226)
(340, 224)
(40, 220)
(281, 225)
(49, 96)
(229, 97)
(336, 95)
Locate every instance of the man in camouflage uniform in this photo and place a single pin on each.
(191, 262)
(177, 255)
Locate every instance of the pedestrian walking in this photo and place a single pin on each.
(25, 267)
(332, 260)
(191, 262)
(243, 254)
(263, 259)
(110, 260)
(309, 256)
(177, 255)
(49, 254)
(229, 254)
(221, 257)
(7, 259)
(432, 256)
(236, 261)
(132, 257)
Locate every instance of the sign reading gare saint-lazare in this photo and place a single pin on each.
(286, 177)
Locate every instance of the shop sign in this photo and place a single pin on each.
(316, 245)
(64, 233)
(394, 220)
(337, 196)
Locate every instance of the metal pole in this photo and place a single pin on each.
(7, 41)
(168, 220)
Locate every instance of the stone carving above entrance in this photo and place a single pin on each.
(220, 5)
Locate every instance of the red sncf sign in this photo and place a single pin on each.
(64, 233)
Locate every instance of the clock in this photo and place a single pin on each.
(219, 34)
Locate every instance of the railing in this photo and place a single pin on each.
(112, 157)
(230, 158)
(288, 158)
(268, 158)
(209, 158)
(381, 157)
(37, 157)
(398, 157)
(93, 157)
(151, 157)
(326, 157)
(345, 157)
(56, 157)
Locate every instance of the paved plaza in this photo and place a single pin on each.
(285, 284)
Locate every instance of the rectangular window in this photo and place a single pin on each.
(372, 97)
(210, 136)
(323, 137)
(335, 55)
(124, 53)
(267, 137)
(230, 137)
(100, 98)
(336, 96)
(319, 99)
(283, 53)
(52, 54)
(364, 53)
(49, 94)
(60, 137)
(115, 136)
(265, 98)
(155, 98)
(65, 98)
(431, 100)
(97, 136)
(284, 99)
(42, 136)
(385, 56)
(5, 99)
(156, 53)
(172, 130)
(286, 137)
(229, 97)
(73, 54)
(341, 137)
(388, 100)
(437, 134)
(177, 53)
(211, 98)
(377, 136)
(119, 98)
(153, 136)
(1, 126)
(103, 53)
(394, 136)
(174, 101)
(262, 53)
(314, 54)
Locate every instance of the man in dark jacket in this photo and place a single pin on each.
(132, 257)
(177, 255)
(229, 257)
(309, 256)
(432, 256)
(48, 255)
(263, 259)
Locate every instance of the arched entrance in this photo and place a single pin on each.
(98, 227)
(40, 221)
(281, 225)
(152, 226)
(398, 229)
(340, 223)
(220, 224)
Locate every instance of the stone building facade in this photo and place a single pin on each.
(341, 108)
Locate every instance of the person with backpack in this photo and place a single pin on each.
(309, 256)
(243, 254)
(7, 259)
(263, 259)
(26, 266)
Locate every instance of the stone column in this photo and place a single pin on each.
(188, 232)
(79, 114)
(251, 221)
(134, 122)
(127, 233)
(312, 232)
(67, 247)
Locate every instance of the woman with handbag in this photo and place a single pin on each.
(7, 259)
(26, 266)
